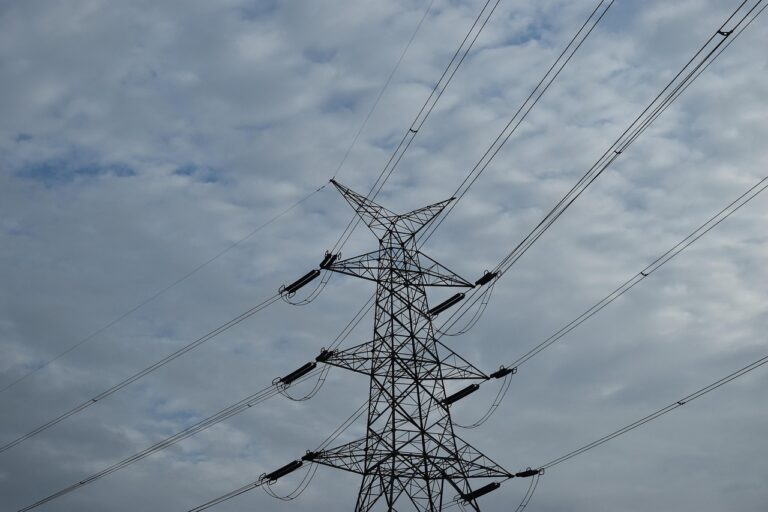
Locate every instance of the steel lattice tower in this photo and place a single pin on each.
(410, 458)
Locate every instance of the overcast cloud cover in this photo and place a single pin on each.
(138, 139)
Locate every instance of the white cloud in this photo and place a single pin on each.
(258, 102)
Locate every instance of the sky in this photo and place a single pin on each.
(140, 139)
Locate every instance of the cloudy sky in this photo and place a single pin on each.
(139, 139)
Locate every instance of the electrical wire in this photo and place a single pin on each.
(426, 109)
(146, 371)
(503, 389)
(715, 220)
(679, 247)
(228, 496)
(160, 292)
(312, 392)
(340, 338)
(312, 295)
(660, 412)
(226, 413)
(261, 481)
(485, 298)
(233, 245)
(384, 88)
(522, 112)
(458, 502)
(567, 201)
(529, 493)
(326, 277)
(709, 52)
(298, 490)
(344, 426)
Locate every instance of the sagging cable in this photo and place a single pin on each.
(501, 373)
(485, 298)
(529, 493)
(309, 475)
(284, 390)
(288, 291)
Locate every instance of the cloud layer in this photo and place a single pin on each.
(138, 140)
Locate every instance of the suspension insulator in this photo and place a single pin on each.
(461, 394)
(288, 468)
(296, 374)
(487, 278)
(503, 372)
(481, 491)
(528, 473)
(446, 304)
(329, 259)
(301, 282)
(310, 456)
(325, 355)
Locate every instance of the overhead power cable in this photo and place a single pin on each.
(710, 224)
(522, 112)
(160, 292)
(426, 109)
(708, 52)
(262, 481)
(251, 234)
(384, 88)
(660, 412)
(224, 414)
(228, 412)
(236, 408)
(679, 247)
(722, 38)
(146, 371)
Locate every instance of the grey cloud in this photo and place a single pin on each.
(227, 112)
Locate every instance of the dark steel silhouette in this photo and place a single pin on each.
(410, 458)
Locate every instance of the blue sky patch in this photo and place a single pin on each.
(319, 55)
(202, 174)
(60, 171)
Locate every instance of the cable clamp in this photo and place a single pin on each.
(725, 33)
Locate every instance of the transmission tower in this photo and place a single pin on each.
(410, 457)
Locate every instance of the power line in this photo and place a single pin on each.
(146, 371)
(224, 414)
(522, 112)
(660, 412)
(426, 109)
(160, 292)
(221, 253)
(195, 270)
(709, 52)
(384, 88)
(641, 123)
(228, 496)
(679, 247)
